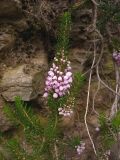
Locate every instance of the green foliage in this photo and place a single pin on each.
(1, 157)
(109, 129)
(55, 104)
(42, 138)
(75, 141)
(39, 138)
(109, 12)
(25, 116)
(106, 136)
(102, 120)
(63, 33)
(18, 153)
(11, 116)
(115, 123)
(50, 132)
(77, 83)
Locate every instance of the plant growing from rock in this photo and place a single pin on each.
(44, 141)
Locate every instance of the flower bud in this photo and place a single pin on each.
(50, 73)
(55, 95)
(69, 74)
(45, 94)
(59, 78)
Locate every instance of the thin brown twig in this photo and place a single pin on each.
(87, 105)
(93, 104)
(102, 82)
(114, 107)
(90, 79)
(95, 3)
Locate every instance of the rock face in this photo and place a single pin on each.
(7, 41)
(25, 81)
(10, 9)
(5, 123)
(78, 58)
(81, 20)
(115, 152)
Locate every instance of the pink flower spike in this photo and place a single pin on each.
(68, 114)
(55, 82)
(66, 70)
(60, 94)
(55, 70)
(66, 82)
(68, 65)
(57, 90)
(59, 109)
(47, 83)
(69, 68)
(50, 73)
(70, 80)
(61, 73)
(55, 95)
(66, 77)
(65, 114)
(61, 83)
(51, 69)
(55, 59)
(61, 88)
(45, 95)
(68, 86)
(54, 87)
(55, 77)
(63, 93)
(46, 89)
(69, 74)
(59, 78)
(60, 113)
(64, 87)
(49, 78)
(54, 66)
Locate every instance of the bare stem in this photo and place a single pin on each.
(87, 105)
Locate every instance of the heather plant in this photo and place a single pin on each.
(116, 57)
(45, 141)
(109, 129)
(59, 78)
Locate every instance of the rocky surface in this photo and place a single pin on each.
(10, 9)
(5, 123)
(7, 41)
(115, 152)
(78, 58)
(79, 34)
(23, 81)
